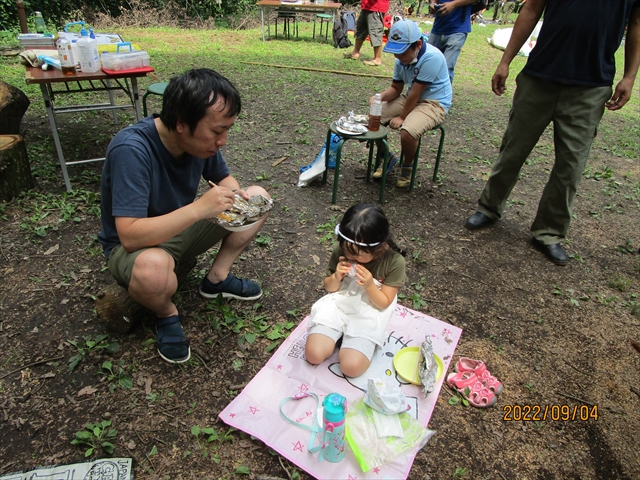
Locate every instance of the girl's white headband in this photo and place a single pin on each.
(339, 233)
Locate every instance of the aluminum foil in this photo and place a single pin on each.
(428, 368)
(245, 211)
(354, 118)
(349, 126)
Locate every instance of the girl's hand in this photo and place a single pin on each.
(364, 277)
(343, 268)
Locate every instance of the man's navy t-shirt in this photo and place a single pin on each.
(141, 179)
(578, 41)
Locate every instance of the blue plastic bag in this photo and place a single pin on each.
(333, 148)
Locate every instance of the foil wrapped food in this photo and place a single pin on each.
(349, 126)
(245, 211)
(355, 118)
(427, 368)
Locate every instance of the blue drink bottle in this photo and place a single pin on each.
(335, 408)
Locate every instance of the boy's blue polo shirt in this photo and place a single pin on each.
(431, 70)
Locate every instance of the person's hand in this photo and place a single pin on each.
(621, 95)
(363, 277)
(242, 193)
(396, 122)
(216, 200)
(342, 269)
(433, 10)
(499, 79)
(446, 8)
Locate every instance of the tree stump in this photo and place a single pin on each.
(120, 313)
(15, 171)
(13, 104)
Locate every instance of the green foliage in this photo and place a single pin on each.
(205, 436)
(116, 375)
(47, 211)
(248, 323)
(89, 345)
(415, 299)
(96, 436)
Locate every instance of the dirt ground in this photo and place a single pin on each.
(555, 336)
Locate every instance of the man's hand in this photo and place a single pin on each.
(621, 95)
(499, 79)
(396, 122)
(216, 200)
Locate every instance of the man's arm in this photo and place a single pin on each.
(390, 93)
(525, 23)
(623, 90)
(137, 233)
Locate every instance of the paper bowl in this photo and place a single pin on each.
(239, 228)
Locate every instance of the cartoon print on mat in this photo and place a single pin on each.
(381, 367)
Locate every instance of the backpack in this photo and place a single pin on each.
(350, 17)
(340, 36)
(477, 6)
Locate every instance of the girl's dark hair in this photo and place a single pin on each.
(188, 96)
(366, 223)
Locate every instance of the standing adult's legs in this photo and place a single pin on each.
(532, 110)
(575, 125)
(450, 46)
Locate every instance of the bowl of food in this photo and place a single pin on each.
(244, 213)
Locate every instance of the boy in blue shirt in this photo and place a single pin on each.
(423, 68)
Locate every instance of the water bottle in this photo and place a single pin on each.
(375, 113)
(40, 25)
(335, 408)
(65, 54)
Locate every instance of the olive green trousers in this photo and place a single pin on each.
(575, 112)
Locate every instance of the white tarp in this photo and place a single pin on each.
(501, 36)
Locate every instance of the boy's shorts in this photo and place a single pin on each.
(370, 23)
(426, 115)
(364, 346)
(195, 240)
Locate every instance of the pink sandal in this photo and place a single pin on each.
(480, 369)
(470, 387)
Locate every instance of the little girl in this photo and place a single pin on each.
(365, 271)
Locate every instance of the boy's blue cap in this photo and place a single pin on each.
(402, 34)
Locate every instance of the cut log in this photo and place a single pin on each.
(15, 171)
(120, 313)
(13, 104)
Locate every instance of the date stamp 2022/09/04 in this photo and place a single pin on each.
(542, 413)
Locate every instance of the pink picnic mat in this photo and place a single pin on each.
(256, 410)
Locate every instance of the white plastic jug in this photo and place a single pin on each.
(88, 51)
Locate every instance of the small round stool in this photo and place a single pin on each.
(325, 19)
(155, 89)
(369, 137)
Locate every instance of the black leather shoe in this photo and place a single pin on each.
(553, 252)
(477, 221)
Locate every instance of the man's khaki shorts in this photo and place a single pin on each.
(426, 115)
(195, 240)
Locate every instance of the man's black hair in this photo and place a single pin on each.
(188, 96)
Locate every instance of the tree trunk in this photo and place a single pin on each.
(13, 104)
(119, 312)
(15, 171)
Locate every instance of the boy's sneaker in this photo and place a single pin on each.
(404, 180)
(392, 162)
(231, 287)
